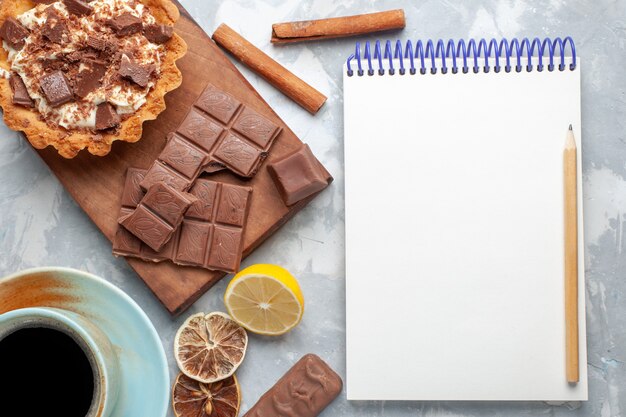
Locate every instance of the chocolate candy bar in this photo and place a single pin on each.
(158, 34)
(211, 235)
(125, 24)
(304, 391)
(218, 133)
(137, 73)
(13, 33)
(78, 7)
(299, 175)
(20, 93)
(56, 88)
(158, 215)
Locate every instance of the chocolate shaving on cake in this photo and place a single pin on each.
(78, 7)
(13, 33)
(56, 88)
(54, 29)
(52, 64)
(20, 93)
(43, 1)
(137, 73)
(125, 24)
(106, 117)
(90, 77)
(96, 43)
(158, 34)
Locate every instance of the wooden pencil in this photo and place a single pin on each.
(571, 256)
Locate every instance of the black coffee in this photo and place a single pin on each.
(44, 372)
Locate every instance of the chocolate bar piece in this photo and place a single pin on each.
(125, 24)
(55, 30)
(89, 77)
(13, 33)
(137, 73)
(299, 175)
(78, 7)
(56, 88)
(20, 93)
(158, 215)
(211, 235)
(106, 116)
(218, 133)
(304, 391)
(158, 34)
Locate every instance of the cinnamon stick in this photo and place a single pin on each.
(277, 75)
(336, 27)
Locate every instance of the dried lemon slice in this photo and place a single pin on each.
(210, 348)
(191, 398)
(265, 299)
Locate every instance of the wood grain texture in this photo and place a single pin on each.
(96, 183)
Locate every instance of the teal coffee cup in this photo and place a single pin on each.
(63, 353)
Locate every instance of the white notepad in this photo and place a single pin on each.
(454, 231)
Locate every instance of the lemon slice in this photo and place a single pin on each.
(191, 398)
(265, 299)
(210, 348)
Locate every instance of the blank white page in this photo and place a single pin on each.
(454, 236)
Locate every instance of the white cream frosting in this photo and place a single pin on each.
(127, 99)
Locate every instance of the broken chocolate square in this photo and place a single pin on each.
(106, 116)
(20, 93)
(13, 33)
(158, 215)
(158, 33)
(125, 24)
(54, 29)
(137, 73)
(89, 77)
(78, 7)
(56, 88)
(299, 175)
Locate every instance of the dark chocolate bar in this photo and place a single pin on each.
(158, 215)
(304, 391)
(299, 175)
(218, 133)
(212, 231)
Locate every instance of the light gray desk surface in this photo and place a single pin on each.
(41, 225)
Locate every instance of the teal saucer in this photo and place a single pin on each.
(145, 384)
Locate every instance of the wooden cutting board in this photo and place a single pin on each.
(96, 183)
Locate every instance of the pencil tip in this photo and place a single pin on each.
(570, 127)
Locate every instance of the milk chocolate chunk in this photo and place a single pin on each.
(212, 231)
(137, 73)
(125, 24)
(158, 34)
(54, 29)
(99, 44)
(56, 88)
(106, 116)
(20, 93)
(304, 391)
(13, 33)
(158, 215)
(89, 77)
(78, 7)
(299, 175)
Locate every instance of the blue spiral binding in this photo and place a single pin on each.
(424, 56)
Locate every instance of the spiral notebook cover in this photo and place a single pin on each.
(454, 220)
